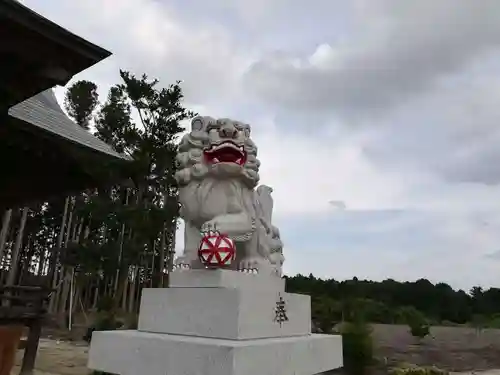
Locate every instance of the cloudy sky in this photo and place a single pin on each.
(376, 120)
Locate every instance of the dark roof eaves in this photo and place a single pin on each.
(29, 18)
(31, 112)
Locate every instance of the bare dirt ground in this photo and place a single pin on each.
(451, 348)
(57, 357)
(457, 349)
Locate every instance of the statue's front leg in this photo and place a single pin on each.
(239, 227)
(277, 259)
(250, 260)
(192, 238)
(253, 261)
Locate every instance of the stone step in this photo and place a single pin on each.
(221, 278)
(236, 314)
(134, 352)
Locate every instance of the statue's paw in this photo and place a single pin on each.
(209, 233)
(182, 264)
(209, 228)
(249, 265)
(181, 267)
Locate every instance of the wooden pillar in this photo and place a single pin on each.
(10, 336)
(31, 348)
(35, 327)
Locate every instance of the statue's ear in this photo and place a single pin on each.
(247, 130)
(198, 123)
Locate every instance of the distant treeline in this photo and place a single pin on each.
(387, 301)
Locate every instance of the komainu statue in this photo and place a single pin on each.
(218, 176)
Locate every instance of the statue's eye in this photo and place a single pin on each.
(212, 127)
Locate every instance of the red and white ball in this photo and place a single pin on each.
(216, 250)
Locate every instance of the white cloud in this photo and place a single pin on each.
(146, 36)
(403, 49)
(451, 131)
(310, 173)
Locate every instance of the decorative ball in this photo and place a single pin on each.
(216, 250)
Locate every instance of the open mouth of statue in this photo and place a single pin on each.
(225, 152)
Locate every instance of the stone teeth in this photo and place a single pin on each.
(226, 144)
(216, 160)
(238, 161)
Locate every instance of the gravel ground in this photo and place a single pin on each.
(453, 348)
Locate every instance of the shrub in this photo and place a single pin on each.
(419, 326)
(106, 303)
(132, 321)
(326, 312)
(419, 329)
(357, 345)
(408, 314)
(494, 322)
(105, 322)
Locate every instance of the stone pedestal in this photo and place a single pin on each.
(218, 322)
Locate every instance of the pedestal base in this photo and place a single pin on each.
(143, 353)
(233, 314)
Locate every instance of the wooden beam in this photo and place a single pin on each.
(55, 73)
(20, 79)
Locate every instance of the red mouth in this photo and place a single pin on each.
(226, 152)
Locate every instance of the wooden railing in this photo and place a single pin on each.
(25, 306)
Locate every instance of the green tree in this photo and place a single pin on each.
(383, 301)
(80, 101)
(108, 242)
(160, 111)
